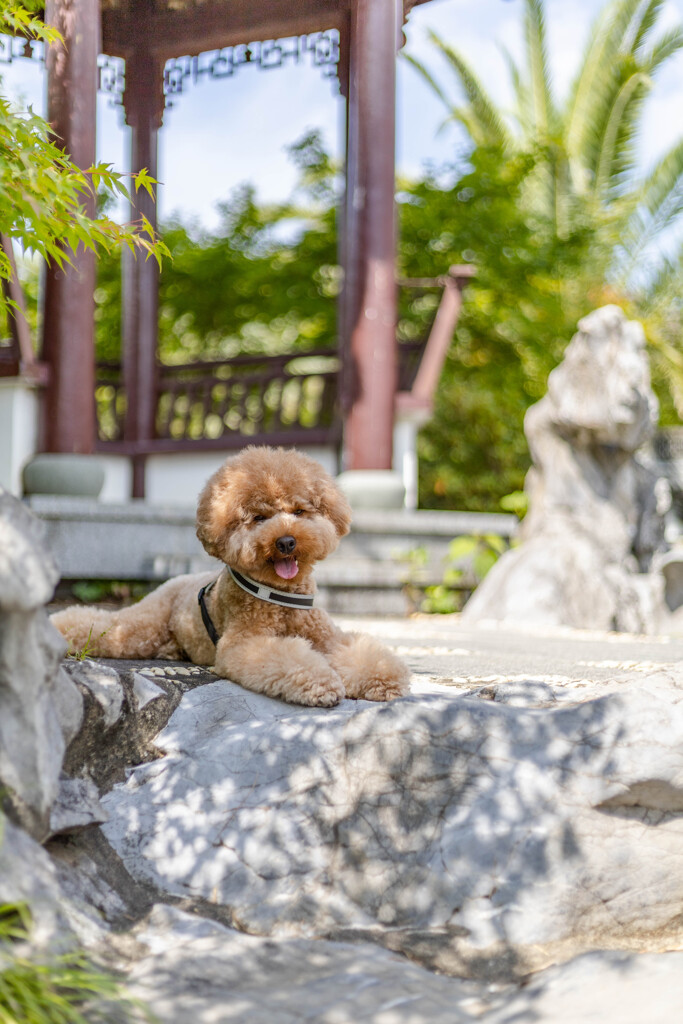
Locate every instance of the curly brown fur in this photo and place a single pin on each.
(258, 503)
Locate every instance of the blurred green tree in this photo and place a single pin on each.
(42, 191)
(263, 282)
(560, 221)
(519, 313)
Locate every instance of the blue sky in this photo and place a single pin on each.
(222, 133)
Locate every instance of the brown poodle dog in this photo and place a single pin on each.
(269, 514)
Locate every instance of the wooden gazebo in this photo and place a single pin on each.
(158, 40)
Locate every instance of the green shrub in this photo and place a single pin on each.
(65, 989)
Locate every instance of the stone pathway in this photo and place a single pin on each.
(443, 646)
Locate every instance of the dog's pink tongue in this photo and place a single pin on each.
(286, 568)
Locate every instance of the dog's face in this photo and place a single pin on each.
(272, 513)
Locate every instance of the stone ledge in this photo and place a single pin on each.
(523, 806)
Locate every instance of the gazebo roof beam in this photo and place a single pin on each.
(179, 32)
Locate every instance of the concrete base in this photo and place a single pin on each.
(62, 474)
(373, 488)
(93, 541)
(18, 429)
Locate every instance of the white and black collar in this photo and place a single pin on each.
(258, 590)
(270, 594)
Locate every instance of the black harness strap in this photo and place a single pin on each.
(206, 618)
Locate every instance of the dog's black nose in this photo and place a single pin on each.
(285, 545)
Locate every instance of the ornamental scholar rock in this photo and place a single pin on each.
(40, 708)
(595, 520)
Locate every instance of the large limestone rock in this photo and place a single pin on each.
(596, 514)
(480, 839)
(27, 875)
(40, 708)
(196, 971)
(522, 809)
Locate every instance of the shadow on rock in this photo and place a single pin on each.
(469, 836)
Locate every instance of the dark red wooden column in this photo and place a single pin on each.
(369, 320)
(69, 325)
(143, 103)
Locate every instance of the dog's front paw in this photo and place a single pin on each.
(391, 679)
(371, 671)
(384, 689)
(324, 692)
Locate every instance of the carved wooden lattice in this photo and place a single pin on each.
(284, 399)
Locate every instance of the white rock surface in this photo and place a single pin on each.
(521, 811)
(598, 988)
(481, 839)
(104, 684)
(27, 875)
(37, 706)
(196, 971)
(77, 806)
(145, 690)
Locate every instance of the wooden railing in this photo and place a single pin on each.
(281, 399)
(284, 399)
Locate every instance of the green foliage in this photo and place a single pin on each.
(60, 990)
(557, 220)
(481, 551)
(470, 558)
(520, 310)
(264, 282)
(517, 502)
(44, 196)
(117, 591)
(85, 652)
(442, 600)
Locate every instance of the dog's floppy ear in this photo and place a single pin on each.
(216, 511)
(334, 506)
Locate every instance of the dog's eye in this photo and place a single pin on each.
(258, 519)
(298, 512)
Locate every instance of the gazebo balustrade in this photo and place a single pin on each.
(224, 404)
(289, 398)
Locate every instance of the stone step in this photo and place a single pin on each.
(384, 553)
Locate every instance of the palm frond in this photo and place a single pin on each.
(613, 158)
(660, 205)
(521, 92)
(456, 114)
(485, 117)
(665, 287)
(642, 23)
(462, 116)
(537, 57)
(594, 87)
(669, 43)
(429, 78)
(663, 181)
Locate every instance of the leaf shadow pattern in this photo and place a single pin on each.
(468, 835)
